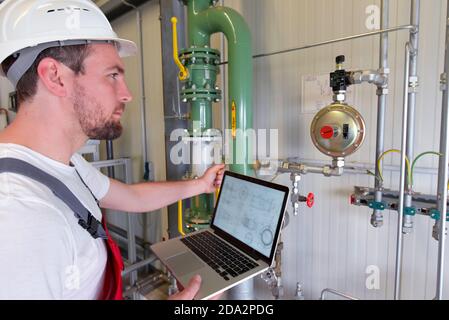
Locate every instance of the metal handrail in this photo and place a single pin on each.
(337, 293)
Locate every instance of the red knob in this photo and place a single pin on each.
(327, 132)
(352, 199)
(310, 200)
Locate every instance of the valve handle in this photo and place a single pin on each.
(183, 72)
(340, 59)
(180, 222)
(327, 132)
(310, 200)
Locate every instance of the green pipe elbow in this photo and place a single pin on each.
(205, 21)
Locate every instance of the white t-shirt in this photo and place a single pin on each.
(44, 252)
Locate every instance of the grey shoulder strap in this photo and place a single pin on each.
(85, 218)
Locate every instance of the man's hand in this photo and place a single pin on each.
(190, 291)
(213, 177)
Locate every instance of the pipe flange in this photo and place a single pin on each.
(200, 56)
(189, 95)
(212, 2)
(203, 68)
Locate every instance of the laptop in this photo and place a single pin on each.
(240, 243)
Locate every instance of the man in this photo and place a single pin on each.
(68, 92)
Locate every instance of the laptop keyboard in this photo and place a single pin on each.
(221, 257)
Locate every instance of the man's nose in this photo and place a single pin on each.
(124, 94)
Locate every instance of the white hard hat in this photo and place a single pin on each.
(31, 26)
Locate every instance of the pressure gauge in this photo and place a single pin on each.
(338, 130)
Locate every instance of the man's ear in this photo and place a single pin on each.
(53, 75)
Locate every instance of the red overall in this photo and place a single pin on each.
(112, 289)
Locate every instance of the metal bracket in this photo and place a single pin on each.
(377, 205)
(410, 211)
(443, 82)
(382, 91)
(384, 71)
(413, 84)
(435, 215)
(270, 277)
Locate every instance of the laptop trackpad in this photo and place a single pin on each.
(184, 263)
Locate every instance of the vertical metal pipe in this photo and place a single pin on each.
(397, 282)
(414, 47)
(224, 117)
(443, 169)
(143, 112)
(143, 104)
(173, 106)
(110, 156)
(377, 217)
(131, 235)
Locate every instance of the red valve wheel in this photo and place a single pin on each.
(310, 200)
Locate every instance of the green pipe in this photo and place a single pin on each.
(203, 21)
(202, 115)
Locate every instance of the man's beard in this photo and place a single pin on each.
(91, 117)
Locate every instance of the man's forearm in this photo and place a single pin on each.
(145, 197)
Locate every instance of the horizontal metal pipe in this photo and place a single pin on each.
(122, 235)
(318, 44)
(368, 76)
(364, 166)
(116, 8)
(301, 168)
(138, 265)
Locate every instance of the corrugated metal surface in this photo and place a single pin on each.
(332, 244)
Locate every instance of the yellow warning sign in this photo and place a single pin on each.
(234, 120)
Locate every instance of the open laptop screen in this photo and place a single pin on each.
(250, 212)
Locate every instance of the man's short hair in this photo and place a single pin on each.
(71, 56)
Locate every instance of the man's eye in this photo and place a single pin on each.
(114, 75)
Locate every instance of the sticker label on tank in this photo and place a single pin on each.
(234, 120)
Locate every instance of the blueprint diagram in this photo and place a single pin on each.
(250, 212)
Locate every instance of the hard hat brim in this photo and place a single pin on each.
(126, 48)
